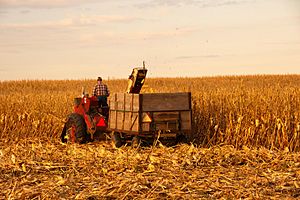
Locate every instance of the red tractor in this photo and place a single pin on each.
(90, 119)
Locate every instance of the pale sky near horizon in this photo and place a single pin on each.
(78, 39)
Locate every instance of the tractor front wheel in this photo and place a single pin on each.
(74, 130)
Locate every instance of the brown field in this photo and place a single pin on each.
(246, 144)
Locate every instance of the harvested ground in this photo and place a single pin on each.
(45, 170)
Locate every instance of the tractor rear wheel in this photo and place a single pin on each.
(74, 130)
(116, 139)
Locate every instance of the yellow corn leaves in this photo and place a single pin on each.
(13, 158)
(258, 111)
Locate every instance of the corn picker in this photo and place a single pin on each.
(131, 117)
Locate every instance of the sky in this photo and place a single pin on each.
(83, 39)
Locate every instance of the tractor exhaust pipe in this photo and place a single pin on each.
(82, 92)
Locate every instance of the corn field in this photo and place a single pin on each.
(239, 111)
(245, 143)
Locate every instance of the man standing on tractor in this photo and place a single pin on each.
(101, 92)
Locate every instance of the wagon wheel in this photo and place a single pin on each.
(74, 130)
(136, 142)
(116, 139)
(180, 139)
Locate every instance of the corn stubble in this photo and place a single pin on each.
(246, 143)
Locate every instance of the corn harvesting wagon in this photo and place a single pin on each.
(131, 117)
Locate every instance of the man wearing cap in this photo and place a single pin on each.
(101, 92)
